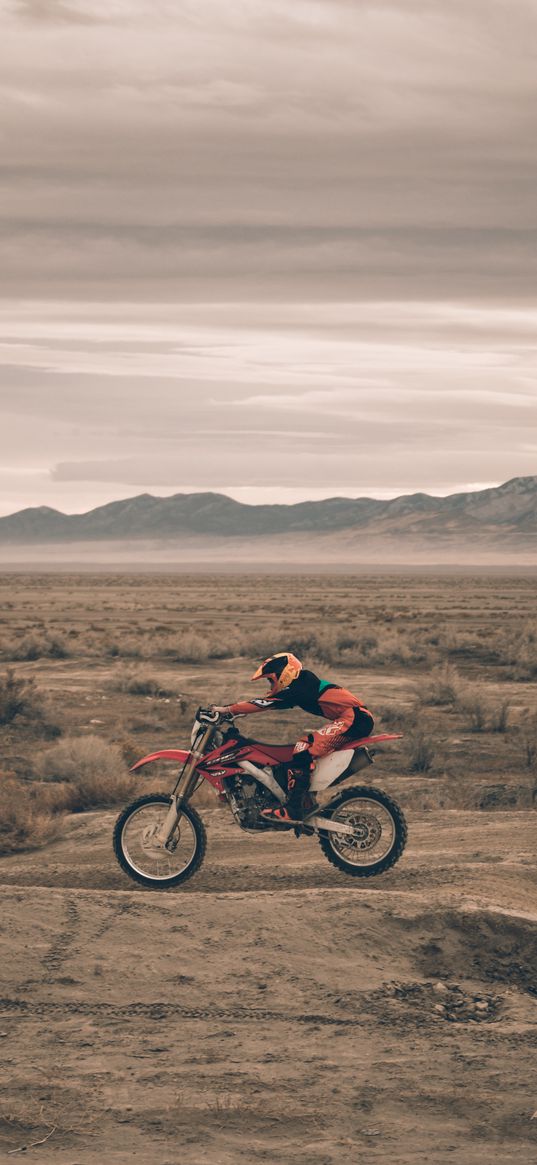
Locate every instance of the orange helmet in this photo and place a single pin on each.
(280, 670)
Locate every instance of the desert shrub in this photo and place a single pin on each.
(190, 648)
(420, 753)
(195, 648)
(499, 717)
(24, 824)
(139, 683)
(519, 652)
(392, 717)
(130, 750)
(441, 687)
(529, 741)
(22, 703)
(128, 647)
(35, 646)
(18, 697)
(337, 647)
(261, 643)
(473, 706)
(54, 797)
(96, 770)
(467, 645)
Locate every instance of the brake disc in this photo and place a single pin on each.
(367, 833)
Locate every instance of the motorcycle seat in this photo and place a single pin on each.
(282, 753)
(279, 752)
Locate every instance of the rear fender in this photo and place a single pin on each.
(329, 769)
(177, 754)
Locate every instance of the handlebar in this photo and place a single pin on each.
(211, 716)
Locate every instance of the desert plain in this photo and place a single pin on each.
(272, 1009)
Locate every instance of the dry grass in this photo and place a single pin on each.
(442, 687)
(499, 717)
(473, 706)
(519, 651)
(445, 687)
(24, 824)
(482, 713)
(23, 705)
(95, 771)
(529, 741)
(34, 646)
(421, 750)
(136, 682)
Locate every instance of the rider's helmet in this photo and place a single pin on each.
(280, 670)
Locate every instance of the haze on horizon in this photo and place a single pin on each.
(276, 251)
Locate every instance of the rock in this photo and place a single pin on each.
(440, 988)
(439, 1008)
(481, 1006)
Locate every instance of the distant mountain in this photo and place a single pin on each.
(485, 517)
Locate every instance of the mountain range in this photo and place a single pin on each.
(504, 515)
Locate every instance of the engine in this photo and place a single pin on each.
(247, 799)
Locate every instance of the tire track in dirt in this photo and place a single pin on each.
(117, 911)
(159, 1011)
(61, 945)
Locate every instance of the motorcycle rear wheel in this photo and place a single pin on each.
(142, 859)
(381, 832)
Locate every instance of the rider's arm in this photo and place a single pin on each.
(244, 707)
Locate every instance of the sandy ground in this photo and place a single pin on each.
(273, 1010)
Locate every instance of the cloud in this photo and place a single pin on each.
(260, 149)
(343, 397)
(229, 228)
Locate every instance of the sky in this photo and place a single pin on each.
(278, 250)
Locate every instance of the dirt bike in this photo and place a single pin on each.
(160, 839)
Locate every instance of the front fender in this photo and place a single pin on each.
(177, 754)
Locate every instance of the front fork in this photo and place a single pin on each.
(184, 788)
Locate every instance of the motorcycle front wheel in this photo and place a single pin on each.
(379, 836)
(143, 857)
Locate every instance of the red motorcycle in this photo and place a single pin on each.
(160, 839)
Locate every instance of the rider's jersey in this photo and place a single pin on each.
(318, 697)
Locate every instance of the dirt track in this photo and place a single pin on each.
(272, 1010)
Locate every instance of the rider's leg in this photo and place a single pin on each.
(311, 747)
(298, 780)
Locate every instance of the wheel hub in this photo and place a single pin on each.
(150, 841)
(367, 831)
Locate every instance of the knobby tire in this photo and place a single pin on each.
(177, 879)
(401, 833)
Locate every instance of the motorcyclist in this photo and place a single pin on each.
(293, 686)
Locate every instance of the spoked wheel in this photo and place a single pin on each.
(379, 836)
(143, 857)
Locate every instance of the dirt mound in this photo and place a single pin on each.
(481, 944)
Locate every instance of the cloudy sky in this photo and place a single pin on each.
(279, 249)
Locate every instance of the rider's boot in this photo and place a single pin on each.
(298, 779)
